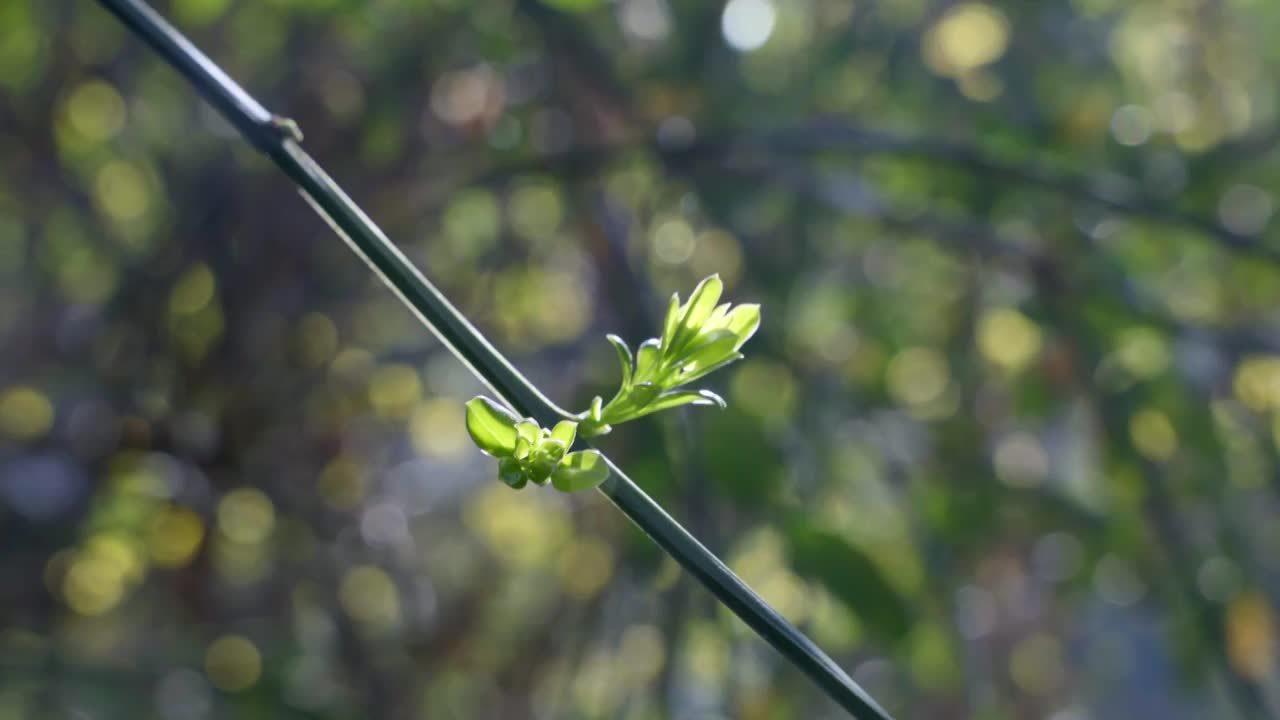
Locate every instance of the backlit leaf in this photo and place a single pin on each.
(699, 308)
(624, 358)
(646, 360)
(565, 431)
(671, 322)
(744, 321)
(529, 430)
(701, 371)
(491, 426)
(580, 471)
(678, 398)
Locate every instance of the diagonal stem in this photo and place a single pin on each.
(278, 139)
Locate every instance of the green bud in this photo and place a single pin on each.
(509, 472)
(565, 431)
(580, 471)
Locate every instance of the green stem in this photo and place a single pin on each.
(278, 139)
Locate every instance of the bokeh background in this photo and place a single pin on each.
(1005, 445)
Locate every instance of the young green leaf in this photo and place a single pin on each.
(714, 398)
(718, 353)
(529, 430)
(565, 431)
(624, 359)
(552, 449)
(592, 422)
(699, 308)
(699, 349)
(672, 321)
(717, 315)
(743, 321)
(491, 426)
(523, 448)
(676, 398)
(541, 464)
(591, 428)
(509, 472)
(644, 393)
(580, 471)
(646, 360)
(701, 371)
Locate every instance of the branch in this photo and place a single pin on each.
(1109, 190)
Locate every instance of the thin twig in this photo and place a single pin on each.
(1111, 191)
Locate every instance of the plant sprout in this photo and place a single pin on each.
(698, 337)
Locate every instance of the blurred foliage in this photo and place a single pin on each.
(1006, 443)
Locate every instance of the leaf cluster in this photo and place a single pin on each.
(529, 453)
(699, 337)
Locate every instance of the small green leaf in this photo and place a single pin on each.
(699, 308)
(523, 448)
(717, 352)
(544, 460)
(591, 429)
(580, 471)
(714, 398)
(553, 449)
(510, 473)
(529, 430)
(593, 423)
(671, 323)
(631, 404)
(565, 431)
(744, 321)
(491, 426)
(696, 348)
(646, 360)
(717, 319)
(624, 358)
(676, 398)
(704, 370)
(644, 393)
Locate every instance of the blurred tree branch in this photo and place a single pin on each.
(1109, 190)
